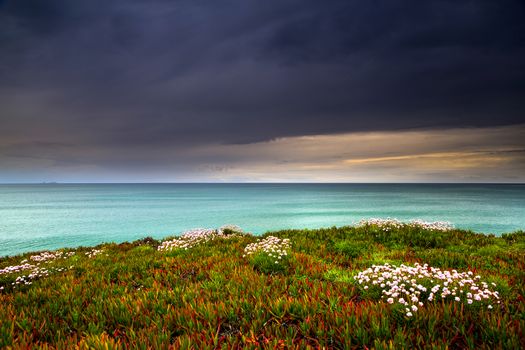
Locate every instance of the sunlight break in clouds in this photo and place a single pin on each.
(480, 155)
(446, 155)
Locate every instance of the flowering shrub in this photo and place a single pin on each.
(16, 268)
(413, 286)
(32, 271)
(50, 256)
(94, 252)
(46, 257)
(190, 239)
(272, 246)
(390, 224)
(36, 272)
(385, 224)
(268, 255)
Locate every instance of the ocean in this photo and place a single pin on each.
(51, 216)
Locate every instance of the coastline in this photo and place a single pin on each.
(38, 217)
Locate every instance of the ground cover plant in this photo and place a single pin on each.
(330, 288)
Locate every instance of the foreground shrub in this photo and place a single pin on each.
(413, 286)
(269, 255)
(229, 229)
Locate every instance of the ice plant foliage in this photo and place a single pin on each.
(192, 238)
(391, 224)
(216, 298)
(413, 286)
(274, 247)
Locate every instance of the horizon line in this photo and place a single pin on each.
(259, 183)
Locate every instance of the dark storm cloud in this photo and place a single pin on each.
(180, 65)
(181, 73)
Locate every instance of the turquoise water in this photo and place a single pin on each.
(36, 217)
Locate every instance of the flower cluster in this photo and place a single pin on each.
(50, 256)
(36, 272)
(190, 239)
(274, 247)
(16, 268)
(434, 226)
(389, 224)
(384, 224)
(30, 269)
(27, 279)
(46, 257)
(411, 286)
(94, 252)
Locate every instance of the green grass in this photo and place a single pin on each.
(210, 296)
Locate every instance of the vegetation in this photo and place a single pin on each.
(216, 293)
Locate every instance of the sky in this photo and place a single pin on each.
(262, 91)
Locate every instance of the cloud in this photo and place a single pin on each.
(126, 84)
(158, 71)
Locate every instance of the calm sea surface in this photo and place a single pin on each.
(36, 217)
